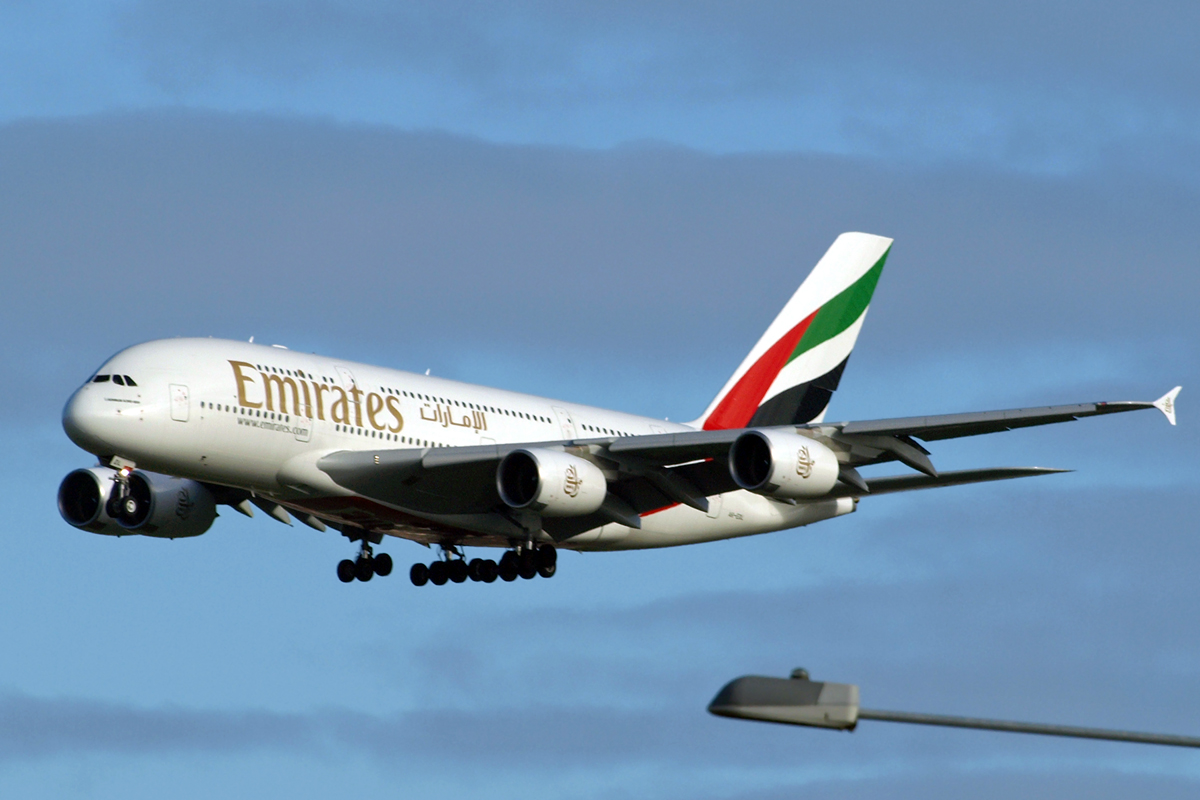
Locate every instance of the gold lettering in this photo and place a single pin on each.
(394, 407)
(342, 403)
(307, 399)
(319, 389)
(242, 380)
(355, 392)
(374, 406)
(279, 383)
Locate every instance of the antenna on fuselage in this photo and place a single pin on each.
(251, 340)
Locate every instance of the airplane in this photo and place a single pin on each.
(181, 426)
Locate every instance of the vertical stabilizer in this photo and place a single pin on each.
(791, 374)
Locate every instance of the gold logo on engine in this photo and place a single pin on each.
(804, 463)
(184, 504)
(572, 481)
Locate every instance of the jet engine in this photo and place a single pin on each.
(782, 464)
(149, 504)
(83, 498)
(554, 483)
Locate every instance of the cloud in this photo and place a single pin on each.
(425, 250)
(1044, 88)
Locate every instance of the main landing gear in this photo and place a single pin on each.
(365, 567)
(526, 563)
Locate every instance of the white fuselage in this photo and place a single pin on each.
(258, 418)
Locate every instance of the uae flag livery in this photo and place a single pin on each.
(792, 372)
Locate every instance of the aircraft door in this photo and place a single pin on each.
(180, 404)
(347, 378)
(565, 422)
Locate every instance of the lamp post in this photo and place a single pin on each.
(817, 704)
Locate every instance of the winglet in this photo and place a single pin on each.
(1166, 404)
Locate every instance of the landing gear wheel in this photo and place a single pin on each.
(473, 569)
(383, 565)
(458, 570)
(488, 572)
(419, 574)
(438, 573)
(508, 567)
(547, 570)
(345, 570)
(363, 569)
(527, 566)
(129, 508)
(547, 556)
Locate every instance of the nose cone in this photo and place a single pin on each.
(83, 420)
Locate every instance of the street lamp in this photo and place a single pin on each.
(818, 704)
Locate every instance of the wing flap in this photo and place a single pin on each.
(907, 483)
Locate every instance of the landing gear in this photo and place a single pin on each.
(547, 561)
(366, 566)
(526, 563)
(509, 567)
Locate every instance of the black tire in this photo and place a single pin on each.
(345, 570)
(527, 567)
(458, 570)
(473, 569)
(419, 574)
(438, 573)
(488, 571)
(508, 567)
(363, 570)
(383, 565)
(547, 556)
(547, 570)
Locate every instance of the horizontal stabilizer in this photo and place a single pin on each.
(907, 483)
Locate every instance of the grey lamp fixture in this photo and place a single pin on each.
(818, 704)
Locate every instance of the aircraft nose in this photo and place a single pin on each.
(82, 420)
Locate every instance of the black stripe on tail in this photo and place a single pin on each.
(799, 404)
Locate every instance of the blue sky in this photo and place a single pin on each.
(609, 205)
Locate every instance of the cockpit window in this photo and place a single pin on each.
(118, 380)
(100, 379)
(129, 381)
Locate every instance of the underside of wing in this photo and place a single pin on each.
(641, 474)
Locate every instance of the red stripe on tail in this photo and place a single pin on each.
(737, 407)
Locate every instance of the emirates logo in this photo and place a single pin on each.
(572, 482)
(184, 504)
(804, 463)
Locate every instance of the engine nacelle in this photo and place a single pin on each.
(151, 505)
(551, 482)
(782, 464)
(83, 498)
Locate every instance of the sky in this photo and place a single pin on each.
(608, 204)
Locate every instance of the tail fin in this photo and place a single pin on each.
(791, 374)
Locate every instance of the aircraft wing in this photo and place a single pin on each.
(953, 426)
(650, 472)
(907, 483)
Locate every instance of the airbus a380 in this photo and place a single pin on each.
(181, 426)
